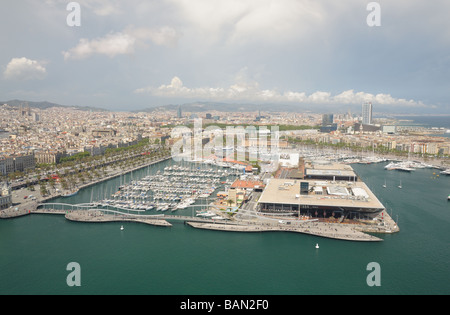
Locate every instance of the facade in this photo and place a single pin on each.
(5, 197)
(240, 189)
(18, 163)
(49, 157)
(24, 162)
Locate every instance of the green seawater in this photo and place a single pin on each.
(35, 251)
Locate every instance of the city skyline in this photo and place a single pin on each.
(140, 55)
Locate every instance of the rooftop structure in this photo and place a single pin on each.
(329, 174)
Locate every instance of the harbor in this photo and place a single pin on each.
(188, 192)
(209, 246)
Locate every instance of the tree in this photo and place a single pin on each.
(43, 189)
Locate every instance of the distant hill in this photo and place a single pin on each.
(293, 108)
(45, 105)
(225, 107)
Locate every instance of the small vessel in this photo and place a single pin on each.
(317, 246)
(400, 186)
(121, 227)
(384, 186)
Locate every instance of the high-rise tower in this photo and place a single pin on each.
(367, 113)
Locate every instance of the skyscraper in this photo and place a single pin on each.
(179, 113)
(367, 113)
(327, 119)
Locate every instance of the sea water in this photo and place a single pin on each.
(35, 251)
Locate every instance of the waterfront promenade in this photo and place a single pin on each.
(98, 216)
(327, 230)
(22, 206)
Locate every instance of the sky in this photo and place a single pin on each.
(317, 55)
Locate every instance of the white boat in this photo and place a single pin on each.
(384, 186)
(70, 194)
(400, 186)
(317, 246)
(205, 214)
(121, 228)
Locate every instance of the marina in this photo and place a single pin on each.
(173, 188)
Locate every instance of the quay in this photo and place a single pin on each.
(327, 230)
(340, 231)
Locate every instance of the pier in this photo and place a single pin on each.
(99, 216)
(88, 213)
(334, 231)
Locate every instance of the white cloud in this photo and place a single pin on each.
(122, 43)
(24, 69)
(99, 7)
(236, 21)
(110, 45)
(244, 91)
(162, 36)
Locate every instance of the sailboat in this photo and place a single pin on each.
(121, 228)
(384, 186)
(400, 186)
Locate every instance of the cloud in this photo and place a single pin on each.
(98, 7)
(250, 91)
(236, 21)
(122, 43)
(102, 7)
(111, 45)
(23, 69)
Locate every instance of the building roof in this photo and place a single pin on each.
(334, 194)
(246, 184)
